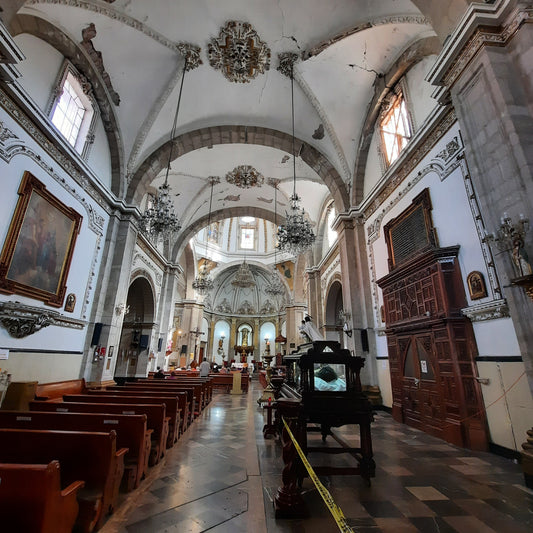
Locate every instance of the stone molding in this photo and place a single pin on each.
(23, 320)
(382, 21)
(114, 14)
(487, 311)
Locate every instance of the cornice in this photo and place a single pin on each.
(482, 25)
(487, 311)
(23, 320)
(426, 139)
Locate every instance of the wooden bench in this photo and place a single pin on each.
(132, 433)
(196, 401)
(171, 402)
(86, 456)
(205, 382)
(31, 499)
(185, 400)
(156, 419)
(55, 391)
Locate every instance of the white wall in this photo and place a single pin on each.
(86, 260)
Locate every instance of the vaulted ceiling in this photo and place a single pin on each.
(344, 47)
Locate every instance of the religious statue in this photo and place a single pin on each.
(520, 258)
(244, 334)
(310, 330)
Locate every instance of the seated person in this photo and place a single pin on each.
(159, 374)
(326, 379)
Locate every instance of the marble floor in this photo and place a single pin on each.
(222, 475)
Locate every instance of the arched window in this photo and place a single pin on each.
(395, 125)
(73, 110)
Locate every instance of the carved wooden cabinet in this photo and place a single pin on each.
(432, 349)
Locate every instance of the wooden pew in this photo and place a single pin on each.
(171, 402)
(185, 399)
(156, 419)
(132, 433)
(31, 499)
(196, 404)
(87, 456)
(206, 383)
(55, 391)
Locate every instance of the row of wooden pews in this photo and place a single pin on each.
(69, 455)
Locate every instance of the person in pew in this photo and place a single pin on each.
(223, 370)
(205, 368)
(159, 374)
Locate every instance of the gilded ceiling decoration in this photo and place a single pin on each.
(239, 52)
(245, 177)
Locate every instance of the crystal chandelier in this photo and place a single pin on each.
(274, 285)
(203, 282)
(244, 277)
(159, 221)
(296, 235)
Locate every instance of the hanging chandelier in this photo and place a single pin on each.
(202, 282)
(274, 286)
(244, 277)
(296, 235)
(159, 221)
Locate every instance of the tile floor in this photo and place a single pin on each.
(222, 475)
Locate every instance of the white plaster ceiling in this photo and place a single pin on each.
(334, 87)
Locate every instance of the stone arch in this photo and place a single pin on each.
(414, 54)
(236, 211)
(206, 137)
(78, 57)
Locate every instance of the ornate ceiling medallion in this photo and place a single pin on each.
(245, 177)
(238, 52)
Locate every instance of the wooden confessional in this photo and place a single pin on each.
(430, 342)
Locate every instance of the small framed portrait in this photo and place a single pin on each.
(110, 351)
(70, 303)
(476, 285)
(38, 249)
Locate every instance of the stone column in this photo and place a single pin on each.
(295, 315)
(165, 315)
(256, 339)
(192, 319)
(232, 339)
(211, 342)
(356, 294)
(316, 299)
(110, 298)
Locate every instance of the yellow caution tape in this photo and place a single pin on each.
(334, 509)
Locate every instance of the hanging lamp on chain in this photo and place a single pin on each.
(296, 235)
(159, 221)
(202, 282)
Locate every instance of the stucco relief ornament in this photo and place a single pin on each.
(239, 52)
(245, 177)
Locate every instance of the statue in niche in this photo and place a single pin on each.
(244, 336)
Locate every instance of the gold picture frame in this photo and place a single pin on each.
(476, 285)
(38, 249)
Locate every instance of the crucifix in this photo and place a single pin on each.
(196, 332)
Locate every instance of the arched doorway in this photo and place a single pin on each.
(334, 304)
(133, 356)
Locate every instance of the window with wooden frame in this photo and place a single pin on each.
(247, 233)
(395, 126)
(73, 110)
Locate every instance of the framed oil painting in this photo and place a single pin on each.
(39, 245)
